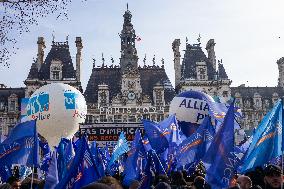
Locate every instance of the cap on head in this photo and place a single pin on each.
(272, 170)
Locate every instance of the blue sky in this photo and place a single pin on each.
(249, 35)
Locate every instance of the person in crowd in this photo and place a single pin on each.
(272, 177)
(5, 186)
(244, 182)
(96, 185)
(134, 184)
(200, 183)
(162, 185)
(161, 178)
(111, 181)
(14, 182)
(178, 180)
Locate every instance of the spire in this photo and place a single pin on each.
(103, 60)
(94, 63)
(127, 6)
(127, 37)
(199, 38)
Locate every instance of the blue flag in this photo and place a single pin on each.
(97, 158)
(170, 130)
(62, 157)
(82, 169)
(45, 153)
(120, 148)
(220, 160)
(51, 179)
(21, 146)
(132, 171)
(267, 140)
(194, 147)
(147, 176)
(5, 173)
(156, 136)
(105, 157)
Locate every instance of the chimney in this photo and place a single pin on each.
(177, 67)
(78, 58)
(211, 53)
(40, 51)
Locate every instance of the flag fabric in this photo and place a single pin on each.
(155, 135)
(170, 130)
(82, 169)
(5, 173)
(68, 156)
(194, 147)
(132, 170)
(267, 138)
(147, 176)
(105, 156)
(46, 153)
(21, 146)
(97, 158)
(2, 137)
(51, 179)
(62, 157)
(220, 160)
(120, 148)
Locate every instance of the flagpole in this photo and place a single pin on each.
(32, 176)
(159, 161)
(282, 148)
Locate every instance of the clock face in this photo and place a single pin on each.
(131, 95)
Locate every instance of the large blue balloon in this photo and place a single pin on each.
(190, 108)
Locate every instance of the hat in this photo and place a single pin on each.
(272, 170)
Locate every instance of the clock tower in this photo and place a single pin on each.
(130, 87)
(127, 37)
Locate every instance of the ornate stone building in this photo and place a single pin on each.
(128, 92)
(132, 90)
(200, 72)
(10, 100)
(56, 67)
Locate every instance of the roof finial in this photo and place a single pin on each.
(94, 62)
(186, 40)
(53, 36)
(154, 60)
(127, 6)
(103, 59)
(144, 60)
(163, 62)
(199, 38)
(67, 38)
(112, 60)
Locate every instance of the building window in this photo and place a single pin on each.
(117, 118)
(2, 105)
(55, 75)
(103, 118)
(12, 106)
(56, 70)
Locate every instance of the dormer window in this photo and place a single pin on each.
(56, 70)
(201, 71)
(12, 105)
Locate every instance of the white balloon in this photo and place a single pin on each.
(58, 108)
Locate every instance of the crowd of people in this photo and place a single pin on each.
(268, 178)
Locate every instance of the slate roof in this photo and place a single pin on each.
(193, 54)
(264, 92)
(221, 72)
(6, 92)
(149, 76)
(59, 51)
